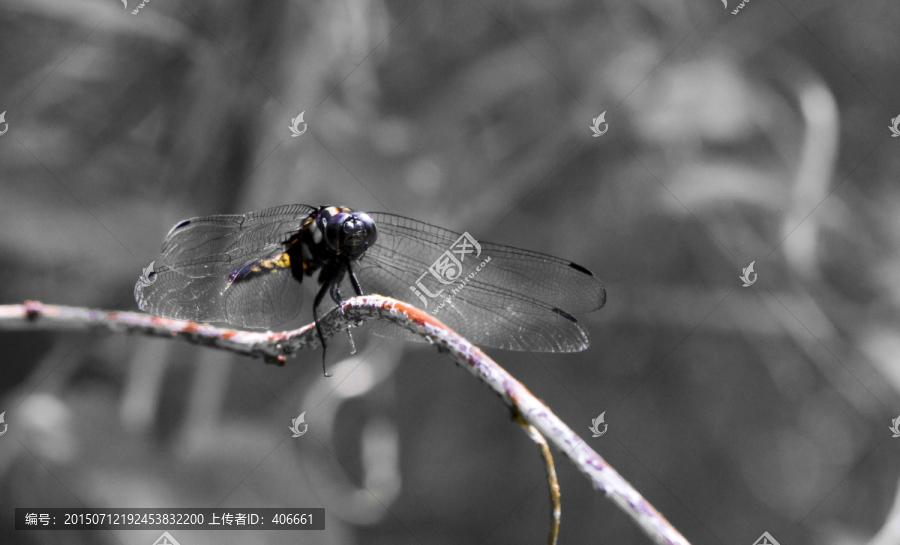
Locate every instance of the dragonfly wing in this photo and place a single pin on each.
(514, 273)
(201, 254)
(516, 300)
(261, 299)
(237, 236)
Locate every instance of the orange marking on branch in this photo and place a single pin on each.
(191, 327)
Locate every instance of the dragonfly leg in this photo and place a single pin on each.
(336, 293)
(336, 296)
(354, 280)
(357, 289)
(319, 296)
(335, 280)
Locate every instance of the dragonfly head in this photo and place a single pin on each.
(351, 234)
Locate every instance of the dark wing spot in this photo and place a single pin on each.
(180, 225)
(565, 315)
(579, 268)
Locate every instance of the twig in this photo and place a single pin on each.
(551, 477)
(275, 346)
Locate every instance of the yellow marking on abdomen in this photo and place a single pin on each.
(281, 261)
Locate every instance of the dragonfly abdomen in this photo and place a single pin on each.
(258, 268)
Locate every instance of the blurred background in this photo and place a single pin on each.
(760, 136)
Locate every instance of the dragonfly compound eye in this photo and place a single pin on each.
(358, 233)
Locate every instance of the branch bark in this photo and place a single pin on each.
(275, 347)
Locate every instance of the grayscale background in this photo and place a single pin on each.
(761, 136)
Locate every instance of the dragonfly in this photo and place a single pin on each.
(247, 270)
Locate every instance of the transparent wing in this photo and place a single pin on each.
(265, 299)
(504, 297)
(201, 256)
(234, 236)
